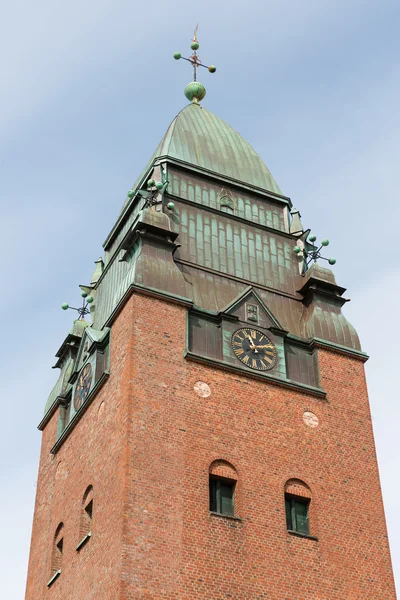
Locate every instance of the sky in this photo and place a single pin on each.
(88, 90)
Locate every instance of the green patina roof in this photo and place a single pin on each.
(199, 137)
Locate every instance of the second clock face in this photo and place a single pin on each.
(83, 386)
(254, 349)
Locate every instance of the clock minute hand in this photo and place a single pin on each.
(252, 346)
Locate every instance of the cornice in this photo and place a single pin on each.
(287, 383)
(339, 349)
(60, 400)
(209, 174)
(247, 282)
(233, 217)
(147, 291)
(49, 413)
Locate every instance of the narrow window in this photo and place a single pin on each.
(222, 496)
(86, 517)
(89, 511)
(57, 554)
(297, 514)
(58, 549)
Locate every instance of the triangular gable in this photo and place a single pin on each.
(91, 336)
(250, 298)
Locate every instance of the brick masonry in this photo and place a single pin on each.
(146, 444)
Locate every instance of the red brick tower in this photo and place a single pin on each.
(209, 436)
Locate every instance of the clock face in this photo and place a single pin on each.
(254, 349)
(83, 386)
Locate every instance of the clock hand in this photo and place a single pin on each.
(265, 346)
(252, 346)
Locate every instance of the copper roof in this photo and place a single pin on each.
(200, 138)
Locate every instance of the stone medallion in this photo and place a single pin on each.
(310, 419)
(202, 389)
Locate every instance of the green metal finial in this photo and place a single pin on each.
(195, 91)
(311, 252)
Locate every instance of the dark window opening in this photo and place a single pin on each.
(297, 514)
(57, 557)
(222, 496)
(89, 510)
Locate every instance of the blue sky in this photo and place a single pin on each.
(89, 89)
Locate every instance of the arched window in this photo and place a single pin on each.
(222, 484)
(297, 506)
(227, 205)
(85, 530)
(57, 554)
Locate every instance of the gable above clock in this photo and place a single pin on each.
(246, 335)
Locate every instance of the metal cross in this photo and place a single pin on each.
(194, 58)
(84, 309)
(311, 252)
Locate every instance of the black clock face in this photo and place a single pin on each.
(83, 386)
(254, 349)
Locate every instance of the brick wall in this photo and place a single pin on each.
(146, 445)
(95, 453)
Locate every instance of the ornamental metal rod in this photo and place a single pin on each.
(197, 64)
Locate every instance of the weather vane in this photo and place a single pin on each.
(84, 309)
(153, 195)
(195, 91)
(312, 253)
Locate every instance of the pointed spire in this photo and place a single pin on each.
(98, 271)
(296, 226)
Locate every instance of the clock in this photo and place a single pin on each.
(254, 349)
(83, 386)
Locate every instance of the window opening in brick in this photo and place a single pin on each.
(86, 513)
(89, 510)
(297, 514)
(222, 492)
(57, 549)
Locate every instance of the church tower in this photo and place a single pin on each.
(209, 435)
